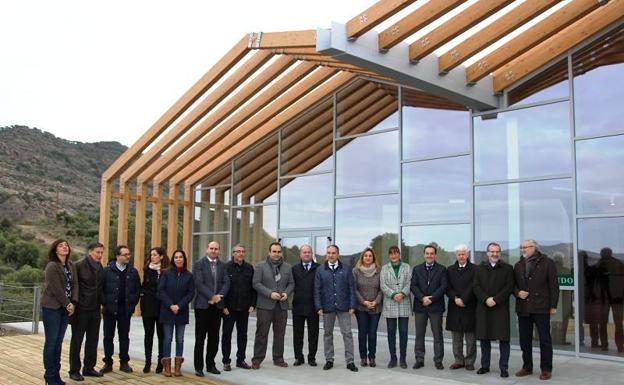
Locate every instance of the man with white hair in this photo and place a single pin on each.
(460, 319)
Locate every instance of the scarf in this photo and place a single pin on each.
(155, 266)
(276, 268)
(368, 271)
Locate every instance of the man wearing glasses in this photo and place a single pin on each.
(537, 292)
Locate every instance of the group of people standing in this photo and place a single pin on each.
(478, 307)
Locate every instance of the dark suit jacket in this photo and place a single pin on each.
(541, 284)
(90, 285)
(303, 301)
(435, 287)
(460, 319)
(205, 285)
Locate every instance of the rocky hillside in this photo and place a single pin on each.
(42, 175)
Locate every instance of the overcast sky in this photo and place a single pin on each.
(106, 70)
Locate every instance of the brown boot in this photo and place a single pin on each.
(166, 366)
(178, 366)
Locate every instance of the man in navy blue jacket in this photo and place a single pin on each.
(428, 287)
(334, 297)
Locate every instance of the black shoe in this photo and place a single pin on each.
(148, 367)
(227, 367)
(504, 373)
(107, 368)
(328, 365)
(298, 362)
(91, 372)
(199, 373)
(312, 362)
(392, 363)
(418, 365)
(483, 370)
(159, 367)
(403, 365)
(352, 367)
(76, 376)
(61, 382)
(124, 367)
(213, 370)
(439, 366)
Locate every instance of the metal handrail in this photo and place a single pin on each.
(14, 311)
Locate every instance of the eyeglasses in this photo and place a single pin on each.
(526, 247)
(124, 255)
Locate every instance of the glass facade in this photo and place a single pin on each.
(378, 164)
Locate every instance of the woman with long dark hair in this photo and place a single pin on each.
(176, 290)
(150, 304)
(60, 293)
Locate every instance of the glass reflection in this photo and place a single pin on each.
(444, 237)
(550, 84)
(200, 244)
(255, 174)
(367, 164)
(601, 264)
(255, 227)
(509, 213)
(212, 210)
(437, 190)
(431, 132)
(306, 201)
(523, 143)
(600, 186)
(366, 221)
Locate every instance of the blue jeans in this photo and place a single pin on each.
(54, 325)
(168, 337)
(392, 328)
(367, 333)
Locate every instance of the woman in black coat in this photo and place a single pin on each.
(150, 304)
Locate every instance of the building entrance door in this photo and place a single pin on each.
(292, 240)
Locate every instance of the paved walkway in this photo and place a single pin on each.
(568, 370)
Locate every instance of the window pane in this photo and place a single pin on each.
(307, 142)
(212, 210)
(550, 84)
(255, 227)
(367, 164)
(436, 190)
(509, 213)
(444, 237)
(524, 143)
(255, 174)
(601, 272)
(366, 106)
(430, 132)
(306, 201)
(598, 70)
(366, 221)
(220, 177)
(600, 186)
(200, 244)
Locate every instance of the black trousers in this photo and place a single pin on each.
(151, 324)
(122, 323)
(207, 321)
(486, 354)
(239, 318)
(85, 322)
(525, 327)
(299, 322)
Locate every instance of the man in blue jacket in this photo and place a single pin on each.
(428, 288)
(334, 297)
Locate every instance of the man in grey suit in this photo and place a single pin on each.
(211, 284)
(274, 283)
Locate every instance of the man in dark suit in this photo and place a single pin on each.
(493, 284)
(428, 287)
(537, 292)
(303, 307)
(211, 284)
(87, 317)
(460, 319)
(239, 302)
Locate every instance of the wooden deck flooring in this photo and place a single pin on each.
(21, 363)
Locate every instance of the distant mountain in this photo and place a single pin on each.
(42, 175)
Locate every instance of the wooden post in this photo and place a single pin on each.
(172, 221)
(122, 221)
(139, 227)
(157, 214)
(187, 225)
(105, 207)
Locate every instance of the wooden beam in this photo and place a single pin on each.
(530, 38)
(492, 32)
(413, 22)
(200, 153)
(204, 83)
(206, 105)
(105, 215)
(585, 28)
(457, 25)
(187, 223)
(276, 40)
(172, 219)
(177, 160)
(373, 16)
(139, 230)
(236, 145)
(122, 215)
(306, 51)
(157, 192)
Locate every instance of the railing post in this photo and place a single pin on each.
(36, 309)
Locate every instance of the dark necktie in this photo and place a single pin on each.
(306, 266)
